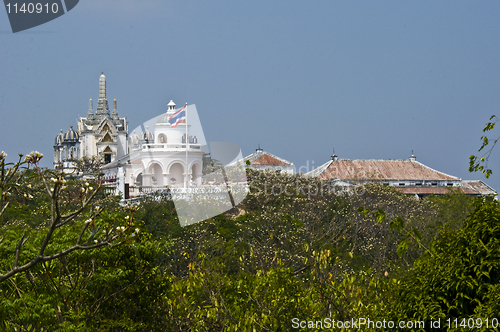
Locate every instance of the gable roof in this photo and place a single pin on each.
(378, 170)
(266, 158)
(478, 187)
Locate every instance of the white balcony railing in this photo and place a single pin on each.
(168, 146)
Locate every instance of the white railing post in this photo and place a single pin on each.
(120, 183)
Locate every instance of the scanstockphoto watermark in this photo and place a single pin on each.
(298, 188)
(359, 323)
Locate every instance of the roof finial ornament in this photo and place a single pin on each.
(334, 156)
(102, 87)
(171, 106)
(114, 115)
(412, 157)
(90, 113)
(259, 150)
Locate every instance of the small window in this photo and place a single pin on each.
(401, 184)
(434, 183)
(418, 183)
(449, 184)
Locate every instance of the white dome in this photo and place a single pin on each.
(163, 119)
(71, 135)
(59, 138)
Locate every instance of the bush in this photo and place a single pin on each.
(460, 278)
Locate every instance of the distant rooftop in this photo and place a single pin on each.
(261, 157)
(378, 169)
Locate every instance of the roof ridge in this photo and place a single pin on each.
(281, 159)
(381, 169)
(257, 155)
(319, 170)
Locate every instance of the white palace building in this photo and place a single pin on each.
(168, 151)
(100, 133)
(160, 157)
(155, 158)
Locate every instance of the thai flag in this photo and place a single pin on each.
(177, 117)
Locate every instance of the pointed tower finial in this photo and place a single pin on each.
(334, 156)
(259, 150)
(90, 113)
(114, 115)
(102, 87)
(413, 157)
(102, 103)
(91, 107)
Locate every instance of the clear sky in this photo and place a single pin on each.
(372, 79)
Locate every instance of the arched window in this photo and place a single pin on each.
(162, 138)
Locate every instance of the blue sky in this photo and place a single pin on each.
(372, 79)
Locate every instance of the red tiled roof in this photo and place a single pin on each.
(266, 159)
(372, 170)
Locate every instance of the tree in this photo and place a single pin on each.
(70, 203)
(461, 278)
(481, 163)
(89, 166)
(88, 290)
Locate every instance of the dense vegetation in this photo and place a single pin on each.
(309, 252)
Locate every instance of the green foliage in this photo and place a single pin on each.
(294, 248)
(461, 278)
(93, 290)
(481, 163)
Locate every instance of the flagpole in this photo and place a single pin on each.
(187, 142)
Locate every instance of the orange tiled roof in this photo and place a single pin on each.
(384, 169)
(266, 159)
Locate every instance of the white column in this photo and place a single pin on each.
(120, 183)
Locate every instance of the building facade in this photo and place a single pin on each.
(161, 157)
(100, 133)
(407, 175)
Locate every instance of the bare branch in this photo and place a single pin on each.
(42, 258)
(18, 248)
